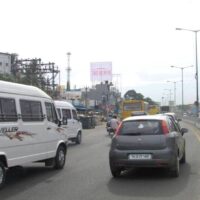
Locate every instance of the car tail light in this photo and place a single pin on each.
(118, 129)
(165, 127)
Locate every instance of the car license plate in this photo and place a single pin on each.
(139, 157)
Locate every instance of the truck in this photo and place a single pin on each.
(164, 109)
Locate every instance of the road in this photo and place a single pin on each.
(86, 176)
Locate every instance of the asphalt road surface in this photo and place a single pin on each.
(86, 175)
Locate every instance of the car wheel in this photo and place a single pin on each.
(115, 171)
(78, 138)
(175, 170)
(60, 157)
(2, 174)
(183, 159)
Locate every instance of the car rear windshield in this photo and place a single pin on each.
(141, 127)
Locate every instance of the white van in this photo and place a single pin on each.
(29, 128)
(70, 121)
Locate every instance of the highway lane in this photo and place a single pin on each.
(86, 175)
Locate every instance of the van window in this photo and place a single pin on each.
(66, 113)
(51, 112)
(8, 111)
(74, 114)
(31, 110)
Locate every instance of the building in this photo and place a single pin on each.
(5, 63)
(104, 96)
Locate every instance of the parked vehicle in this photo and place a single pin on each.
(70, 120)
(147, 141)
(29, 128)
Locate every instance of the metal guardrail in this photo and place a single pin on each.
(192, 120)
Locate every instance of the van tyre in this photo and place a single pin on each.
(175, 170)
(2, 174)
(78, 138)
(60, 157)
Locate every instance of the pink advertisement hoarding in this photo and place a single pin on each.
(101, 71)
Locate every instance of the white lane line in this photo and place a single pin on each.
(196, 134)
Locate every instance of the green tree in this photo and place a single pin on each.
(149, 100)
(132, 94)
(139, 96)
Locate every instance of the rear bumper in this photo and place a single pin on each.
(160, 158)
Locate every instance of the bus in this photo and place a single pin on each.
(130, 106)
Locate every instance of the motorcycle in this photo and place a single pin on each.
(110, 130)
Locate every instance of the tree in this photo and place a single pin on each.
(149, 100)
(132, 94)
(14, 57)
(139, 96)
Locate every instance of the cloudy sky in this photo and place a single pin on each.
(137, 36)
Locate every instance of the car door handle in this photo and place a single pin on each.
(48, 128)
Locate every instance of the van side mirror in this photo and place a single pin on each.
(64, 121)
(184, 130)
(179, 120)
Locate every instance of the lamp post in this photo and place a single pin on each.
(162, 103)
(196, 59)
(182, 68)
(170, 94)
(174, 82)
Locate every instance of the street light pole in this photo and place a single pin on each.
(196, 59)
(174, 82)
(182, 89)
(182, 68)
(196, 76)
(170, 94)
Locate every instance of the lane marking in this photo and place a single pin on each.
(195, 133)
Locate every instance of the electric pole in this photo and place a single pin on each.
(68, 72)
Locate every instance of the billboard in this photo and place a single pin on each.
(101, 71)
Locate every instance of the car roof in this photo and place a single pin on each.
(134, 113)
(146, 117)
(170, 113)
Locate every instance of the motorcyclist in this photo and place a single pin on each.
(114, 123)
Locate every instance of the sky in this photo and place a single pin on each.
(139, 37)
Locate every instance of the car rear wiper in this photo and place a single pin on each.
(132, 133)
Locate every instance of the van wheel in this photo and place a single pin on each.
(2, 174)
(78, 138)
(60, 157)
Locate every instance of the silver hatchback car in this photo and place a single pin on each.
(147, 141)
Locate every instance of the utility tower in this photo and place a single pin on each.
(40, 74)
(68, 72)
